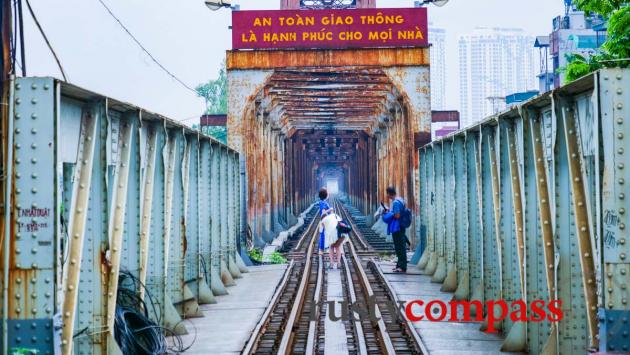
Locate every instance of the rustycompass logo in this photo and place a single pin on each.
(495, 310)
(452, 311)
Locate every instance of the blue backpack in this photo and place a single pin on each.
(405, 217)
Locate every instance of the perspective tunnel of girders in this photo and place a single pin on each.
(330, 113)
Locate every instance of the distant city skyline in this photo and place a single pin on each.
(437, 39)
(493, 63)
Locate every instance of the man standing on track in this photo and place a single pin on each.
(392, 218)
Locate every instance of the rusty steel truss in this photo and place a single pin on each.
(295, 114)
(99, 186)
(532, 204)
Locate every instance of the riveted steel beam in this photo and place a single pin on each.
(614, 312)
(434, 216)
(462, 235)
(169, 155)
(189, 256)
(582, 222)
(513, 231)
(204, 197)
(542, 191)
(493, 265)
(545, 219)
(31, 209)
(116, 219)
(425, 202)
(78, 215)
(515, 174)
(450, 279)
(146, 194)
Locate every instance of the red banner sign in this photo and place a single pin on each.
(353, 28)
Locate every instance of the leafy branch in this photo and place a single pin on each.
(615, 51)
(214, 93)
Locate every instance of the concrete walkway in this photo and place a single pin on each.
(336, 342)
(228, 324)
(441, 338)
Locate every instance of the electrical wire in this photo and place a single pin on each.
(41, 30)
(205, 269)
(64, 242)
(22, 44)
(13, 39)
(144, 49)
(134, 329)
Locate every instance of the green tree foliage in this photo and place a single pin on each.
(602, 7)
(616, 50)
(215, 93)
(618, 42)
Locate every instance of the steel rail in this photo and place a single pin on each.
(386, 284)
(381, 328)
(310, 226)
(312, 326)
(386, 341)
(346, 217)
(298, 303)
(253, 342)
(353, 299)
(264, 319)
(407, 323)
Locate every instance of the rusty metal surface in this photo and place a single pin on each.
(279, 59)
(355, 115)
(549, 218)
(97, 182)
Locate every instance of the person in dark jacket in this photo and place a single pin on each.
(391, 217)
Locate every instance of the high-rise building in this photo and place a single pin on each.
(573, 33)
(437, 38)
(493, 63)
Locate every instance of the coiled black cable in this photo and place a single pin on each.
(134, 330)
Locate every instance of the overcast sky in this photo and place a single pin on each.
(190, 40)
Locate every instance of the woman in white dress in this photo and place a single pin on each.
(328, 225)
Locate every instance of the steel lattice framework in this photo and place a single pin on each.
(328, 4)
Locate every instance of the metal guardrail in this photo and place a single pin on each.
(532, 204)
(101, 186)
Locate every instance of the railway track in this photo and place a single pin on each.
(281, 324)
(377, 242)
(394, 333)
(292, 242)
(295, 321)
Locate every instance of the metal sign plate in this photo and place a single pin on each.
(359, 28)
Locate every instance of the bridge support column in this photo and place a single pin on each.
(205, 293)
(216, 283)
(516, 339)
